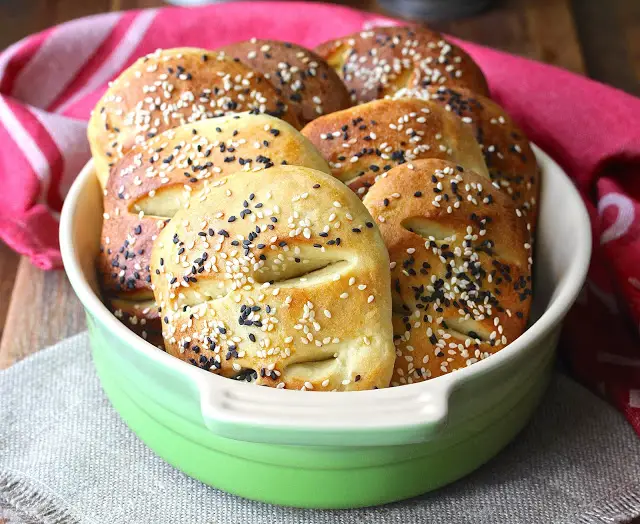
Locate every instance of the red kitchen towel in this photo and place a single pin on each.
(50, 81)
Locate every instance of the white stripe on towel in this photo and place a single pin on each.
(59, 59)
(116, 60)
(31, 151)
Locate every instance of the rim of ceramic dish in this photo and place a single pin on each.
(425, 401)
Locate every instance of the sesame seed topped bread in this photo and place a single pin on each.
(170, 88)
(460, 279)
(381, 61)
(282, 279)
(139, 315)
(167, 172)
(304, 81)
(506, 149)
(362, 143)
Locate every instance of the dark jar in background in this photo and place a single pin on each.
(435, 9)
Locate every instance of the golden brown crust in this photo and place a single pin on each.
(362, 143)
(460, 279)
(377, 63)
(303, 80)
(506, 149)
(161, 175)
(169, 88)
(284, 276)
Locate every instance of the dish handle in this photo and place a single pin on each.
(389, 417)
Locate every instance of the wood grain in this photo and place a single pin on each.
(8, 268)
(20, 19)
(542, 30)
(43, 310)
(553, 34)
(610, 35)
(121, 5)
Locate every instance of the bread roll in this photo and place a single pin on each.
(362, 143)
(173, 87)
(140, 316)
(282, 278)
(303, 80)
(460, 280)
(163, 174)
(507, 153)
(378, 62)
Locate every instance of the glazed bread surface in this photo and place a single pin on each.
(302, 79)
(169, 88)
(460, 279)
(282, 279)
(364, 142)
(377, 63)
(506, 149)
(162, 175)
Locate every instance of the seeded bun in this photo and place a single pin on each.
(282, 279)
(506, 149)
(140, 316)
(301, 78)
(460, 280)
(167, 172)
(379, 62)
(169, 88)
(362, 143)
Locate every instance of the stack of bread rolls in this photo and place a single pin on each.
(348, 218)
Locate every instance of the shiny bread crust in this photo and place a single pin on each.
(282, 279)
(378, 62)
(506, 149)
(364, 142)
(302, 79)
(173, 87)
(164, 173)
(460, 277)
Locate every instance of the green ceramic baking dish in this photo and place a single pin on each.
(331, 450)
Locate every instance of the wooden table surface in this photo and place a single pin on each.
(597, 38)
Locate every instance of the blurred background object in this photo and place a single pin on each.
(435, 9)
(416, 9)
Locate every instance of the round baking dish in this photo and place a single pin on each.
(331, 450)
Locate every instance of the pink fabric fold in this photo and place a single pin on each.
(50, 81)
